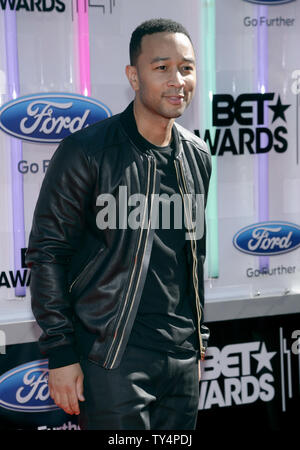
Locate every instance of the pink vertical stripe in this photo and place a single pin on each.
(263, 159)
(84, 48)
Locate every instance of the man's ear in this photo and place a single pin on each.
(132, 76)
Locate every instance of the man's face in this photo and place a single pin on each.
(165, 74)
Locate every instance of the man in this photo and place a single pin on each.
(120, 305)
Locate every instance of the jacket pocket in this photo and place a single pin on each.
(85, 274)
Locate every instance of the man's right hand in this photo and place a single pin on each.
(66, 387)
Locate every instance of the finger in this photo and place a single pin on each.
(73, 403)
(61, 400)
(79, 389)
(65, 400)
(57, 399)
(65, 403)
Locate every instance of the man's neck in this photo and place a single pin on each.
(155, 129)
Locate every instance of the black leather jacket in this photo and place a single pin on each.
(91, 278)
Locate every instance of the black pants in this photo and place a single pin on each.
(149, 391)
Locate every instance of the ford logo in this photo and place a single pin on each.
(269, 2)
(49, 118)
(25, 388)
(268, 238)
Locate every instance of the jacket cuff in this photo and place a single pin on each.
(62, 356)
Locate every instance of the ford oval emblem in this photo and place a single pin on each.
(269, 2)
(25, 388)
(268, 238)
(50, 117)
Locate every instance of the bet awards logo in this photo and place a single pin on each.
(252, 113)
(236, 375)
(263, 371)
(30, 5)
(59, 6)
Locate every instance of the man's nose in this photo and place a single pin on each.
(176, 79)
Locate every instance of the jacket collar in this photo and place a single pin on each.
(129, 124)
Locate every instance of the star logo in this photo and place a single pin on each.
(264, 358)
(278, 110)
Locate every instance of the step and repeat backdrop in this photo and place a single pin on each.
(62, 68)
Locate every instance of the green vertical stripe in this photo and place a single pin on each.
(208, 65)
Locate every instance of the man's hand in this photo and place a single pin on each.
(66, 387)
(199, 370)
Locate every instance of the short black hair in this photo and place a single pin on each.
(152, 26)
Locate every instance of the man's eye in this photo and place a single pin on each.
(187, 68)
(161, 67)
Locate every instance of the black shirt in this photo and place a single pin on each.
(166, 317)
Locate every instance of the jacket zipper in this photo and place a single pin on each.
(114, 342)
(193, 249)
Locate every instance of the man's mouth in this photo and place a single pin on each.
(175, 99)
